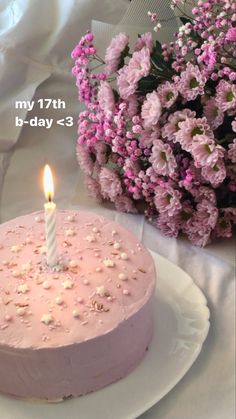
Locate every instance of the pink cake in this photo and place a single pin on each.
(75, 329)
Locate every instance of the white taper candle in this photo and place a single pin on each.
(50, 218)
(50, 229)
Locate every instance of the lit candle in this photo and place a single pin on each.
(50, 218)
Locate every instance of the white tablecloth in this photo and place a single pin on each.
(207, 390)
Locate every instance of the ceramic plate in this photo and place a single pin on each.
(181, 325)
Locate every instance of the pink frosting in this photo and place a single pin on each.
(75, 330)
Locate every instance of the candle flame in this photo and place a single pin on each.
(48, 183)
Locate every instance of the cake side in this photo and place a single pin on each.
(55, 374)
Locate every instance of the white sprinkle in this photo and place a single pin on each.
(26, 267)
(46, 319)
(46, 285)
(98, 269)
(70, 218)
(123, 276)
(28, 240)
(116, 246)
(16, 273)
(59, 301)
(101, 291)
(4, 326)
(126, 292)
(23, 288)
(114, 232)
(43, 250)
(38, 280)
(70, 232)
(90, 239)
(8, 317)
(124, 256)
(79, 300)
(17, 248)
(73, 264)
(109, 263)
(4, 262)
(95, 230)
(21, 311)
(38, 219)
(75, 313)
(86, 282)
(67, 284)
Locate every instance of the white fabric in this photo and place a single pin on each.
(207, 391)
(36, 38)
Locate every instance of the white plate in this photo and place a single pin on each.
(181, 326)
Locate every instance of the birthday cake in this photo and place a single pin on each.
(77, 327)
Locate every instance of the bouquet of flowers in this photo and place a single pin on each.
(158, 134)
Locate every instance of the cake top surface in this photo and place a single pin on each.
(104, 276)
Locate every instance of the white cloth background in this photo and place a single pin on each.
(44, 32)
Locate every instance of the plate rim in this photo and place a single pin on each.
(150, 404)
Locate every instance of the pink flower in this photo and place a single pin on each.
(114, 51)
(106, 98)
(167, 200)
(148, 136)
(189, 129)
(202, 223)
(151, 110)
(93, 188)
(213, 114)
(216, 174)
(231, 35)
(205, 152)
(162, 158)
(169, 226)
(129, 76)
(191, 82)
(84, 159)
(230, 214)
(131, 166)
(226, 95)
(145, 40)
(110, 184)
(223, 227)
(172, 126)
(232, 151)
(125, 204)
(132, 105)
(167, 93)
(140, 64)
(101, 153)
(209, 56)
(204, 192)
(126, 86)
(234, 125)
